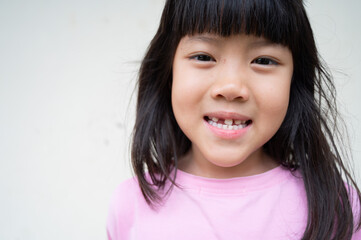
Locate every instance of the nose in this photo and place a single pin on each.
(231, 85)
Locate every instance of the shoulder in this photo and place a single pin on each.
(128, 186)
(122, 207)
(294, 182)
(124, 194)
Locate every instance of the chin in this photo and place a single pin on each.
(225, 162)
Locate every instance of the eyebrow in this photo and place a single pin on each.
(203, 38)
(262, 43)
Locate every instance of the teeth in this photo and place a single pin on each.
(226, 126)
(238, 122)
(228, 122)
(214, 119)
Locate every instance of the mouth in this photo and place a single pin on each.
(227, 123)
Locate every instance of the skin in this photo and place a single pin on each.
(240, 74)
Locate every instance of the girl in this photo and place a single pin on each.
(235, 134)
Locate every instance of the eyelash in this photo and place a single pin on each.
(206, 58)
(260, 60)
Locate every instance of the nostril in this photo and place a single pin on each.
(231, 92)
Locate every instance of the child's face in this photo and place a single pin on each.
(230, 96)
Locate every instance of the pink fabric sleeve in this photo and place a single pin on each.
(355, 203)
(357, 236)
(109, 238)
(120, 216)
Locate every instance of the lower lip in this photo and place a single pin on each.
(227, 134)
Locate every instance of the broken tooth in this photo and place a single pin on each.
(239, 122)
(214, 119)
(228, 122)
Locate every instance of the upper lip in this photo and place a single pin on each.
(227, 115)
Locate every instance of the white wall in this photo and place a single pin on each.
(336, 25)
(67, 71)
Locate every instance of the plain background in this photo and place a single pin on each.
(67, 74)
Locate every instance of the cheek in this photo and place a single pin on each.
(273, 99)
(188, 89)
(183, 98)
(187, 97)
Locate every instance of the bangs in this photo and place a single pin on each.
(274, 20)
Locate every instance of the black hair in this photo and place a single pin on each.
(307, 140)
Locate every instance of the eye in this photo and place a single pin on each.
(264, 61)
(203, 58)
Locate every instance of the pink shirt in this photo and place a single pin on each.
(271, 205)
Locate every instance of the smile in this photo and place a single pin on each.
(227, 124)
